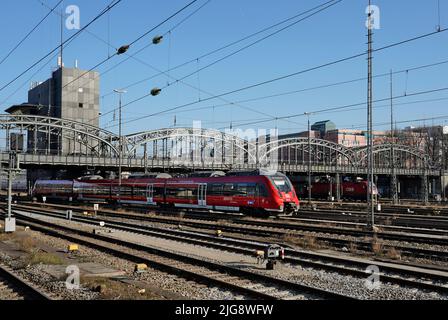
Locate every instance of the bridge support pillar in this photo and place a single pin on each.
(338, 187)
(145, 157)
(444, 186)
(394, 188)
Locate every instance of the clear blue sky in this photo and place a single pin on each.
(338, 32)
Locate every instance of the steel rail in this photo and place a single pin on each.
(40, 225)
(26, 289)
(293, 256)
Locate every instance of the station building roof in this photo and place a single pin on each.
(24, 108)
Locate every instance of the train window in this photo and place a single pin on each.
(158, 192)
(281, 183)
(242, 189)
(140, 191)
(114, 190)
(59, 188)
(102, 189)
(251, 190)
(92, 189)
(126, 191)
(171, 192)
(229, 189)
(262, 190)
(246, 189)
(215, 189)
(88, 190)
(184, 193)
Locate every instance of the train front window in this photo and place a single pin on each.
(281, 183)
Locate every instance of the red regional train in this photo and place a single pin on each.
(245, 192)
(350, 190)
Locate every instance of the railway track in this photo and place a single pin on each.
(429, 225)
(433, 280)
(387, 207)
(276, 230)
(277, 227)
(398, 222)
(248, 283)
(13, 287)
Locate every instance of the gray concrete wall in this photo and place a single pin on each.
(67, 97)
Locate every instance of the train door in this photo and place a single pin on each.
(254, 193)
(202, 194)
(261, 193)
(150, 193)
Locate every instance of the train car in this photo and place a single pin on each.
(350, 190)
(54, 189)
(244, 192)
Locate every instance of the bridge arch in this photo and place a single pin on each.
(192, 144)
(54, 135)
(405, 157)
(298, 150)
(204, 148)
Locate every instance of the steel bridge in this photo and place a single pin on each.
(47, 142)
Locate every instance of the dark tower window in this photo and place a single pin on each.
(81, 105)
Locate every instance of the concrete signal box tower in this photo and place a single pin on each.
(71, 94)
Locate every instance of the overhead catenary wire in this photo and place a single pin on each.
(333, 3)
(338, 108)
(129, 56)
(169, 32)
(104, 11)
(199, 90)
(51, 58)
(133, 55)
(223, 47)
(29, 34)
(178, 24)
(265, 120)
(334, 62)
(407, 70)
(324, 86)
(106, 42)
(26, 82)
(387, 123)
(166, 73)
(133, 42)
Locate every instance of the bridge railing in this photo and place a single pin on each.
(31, 160)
